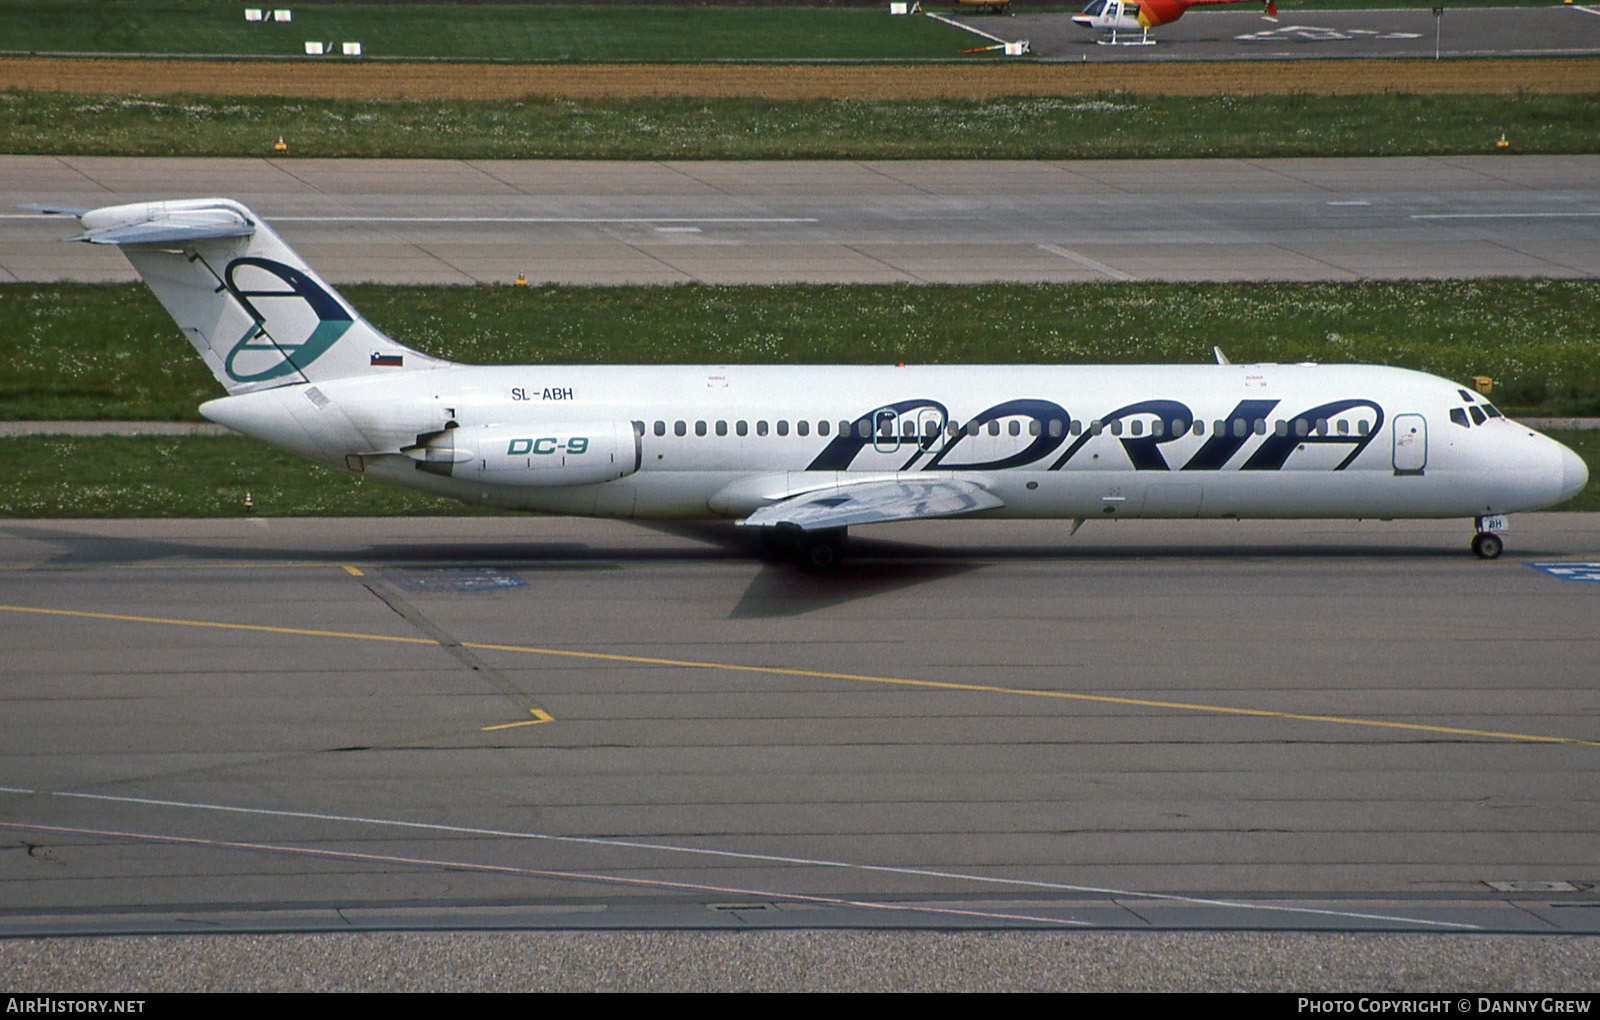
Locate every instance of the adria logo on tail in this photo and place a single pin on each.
(291, 328)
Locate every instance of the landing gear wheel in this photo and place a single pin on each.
(822, 552)
(1487, 545)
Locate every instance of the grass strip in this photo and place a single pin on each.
(1113, 125)
(520, 32)
(108, 351)
(210, 476)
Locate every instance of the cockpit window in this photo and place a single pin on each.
(1459, 416)
(1491, 411)
(1468, 397)
(1095, 7)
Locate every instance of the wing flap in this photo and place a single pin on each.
(876, 503)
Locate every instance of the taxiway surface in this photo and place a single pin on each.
(457, 221)
(282, 724)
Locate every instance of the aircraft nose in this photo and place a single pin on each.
(1574, 474)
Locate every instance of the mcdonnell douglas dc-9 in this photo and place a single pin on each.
(805, 452)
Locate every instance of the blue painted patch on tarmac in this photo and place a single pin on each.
(1570, 570)
(466, 579)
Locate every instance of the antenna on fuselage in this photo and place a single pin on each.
(1222, 359)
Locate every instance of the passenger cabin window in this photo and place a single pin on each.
(680, 428)
(722, 428)
(822, 427)
(761, 428)
(661, 428)
(783, 427)
(742, 427)
(1116, 427)
(802, 427)
(699, 428)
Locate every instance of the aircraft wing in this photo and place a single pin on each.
(876, 503)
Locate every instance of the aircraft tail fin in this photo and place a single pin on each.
(250, 305)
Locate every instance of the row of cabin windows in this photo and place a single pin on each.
(1056, 427)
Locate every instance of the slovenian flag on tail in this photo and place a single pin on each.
(394, 360)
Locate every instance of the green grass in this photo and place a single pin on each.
(106, 351)
(209, 476)
(515, 32)
(187, 476)
(1110, 126)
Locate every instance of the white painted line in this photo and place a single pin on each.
(1087, 262)
(1357, 201)
(543, 219)
(811, 862)
(16, 789)
(678, 230)
(492, 219)
(1507, 216)
(507, 869)
(1586, 10)
(966, 28)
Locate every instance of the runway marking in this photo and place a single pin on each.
(539, 716)
(1088, 263)
(1586, 10)
(734, 667)
(1507, 216)
(352, 570)
(577, 876)
(816, 862)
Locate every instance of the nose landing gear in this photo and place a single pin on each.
(1486, 544)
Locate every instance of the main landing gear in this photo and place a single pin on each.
(1486, 544)
(817, 552)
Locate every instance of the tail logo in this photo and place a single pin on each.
(293, 319)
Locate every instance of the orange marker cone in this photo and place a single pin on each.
(281, 146)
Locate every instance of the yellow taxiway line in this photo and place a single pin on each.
(1032, 692)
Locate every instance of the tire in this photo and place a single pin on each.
(821, 556)
(1487, 545)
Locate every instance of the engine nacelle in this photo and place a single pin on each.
(571, 453)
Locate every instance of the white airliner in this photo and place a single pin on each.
(805, 452)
